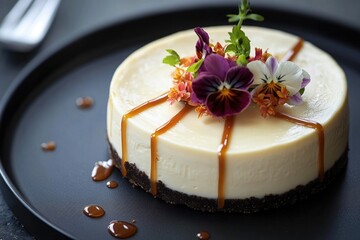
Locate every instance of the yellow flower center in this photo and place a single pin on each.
(225, 93)
(272, 88)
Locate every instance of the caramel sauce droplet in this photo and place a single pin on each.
(131, 113)
(48, 146)
(102, 170)
(225, 141)
(164, 128)
(84, 102)
(121, 229)
(112, 184)
(94, 211)
(320, 131)
(203, 235)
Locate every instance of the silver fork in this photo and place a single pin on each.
(27, 23)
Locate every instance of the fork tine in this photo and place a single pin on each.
(15, 14)
(27, 22)
(29, 30)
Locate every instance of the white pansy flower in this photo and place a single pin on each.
(272, 75)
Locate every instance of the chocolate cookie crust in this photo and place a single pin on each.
(248, 205)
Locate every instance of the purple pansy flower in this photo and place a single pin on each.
(202, 45)
(222, 86)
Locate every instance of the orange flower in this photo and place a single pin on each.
(283, 95)
(259, 55)
(218, 49)
(202, 110)
(180, 92)
(177, 74)
(266, 102)
(181, 74)
(186, 62)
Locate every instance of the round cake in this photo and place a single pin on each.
(167, 149)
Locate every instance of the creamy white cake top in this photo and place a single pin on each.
(265, 155)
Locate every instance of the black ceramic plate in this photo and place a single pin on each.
(48, 190)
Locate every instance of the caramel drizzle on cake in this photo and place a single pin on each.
(289, 56)
(226, 136)
(222, 150)
(293, 52)
(154, 137)
(131, 113)
(321, 135)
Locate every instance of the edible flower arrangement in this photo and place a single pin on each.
(223, 80)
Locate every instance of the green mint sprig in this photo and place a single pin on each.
(239, 43)
(244, 13)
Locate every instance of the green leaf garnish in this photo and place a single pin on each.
(195, 67)
(255, 17)
(301, 91)
(172, 59)
(242, 60)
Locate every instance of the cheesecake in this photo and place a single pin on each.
(273, 159)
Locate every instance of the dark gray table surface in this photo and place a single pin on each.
(77, 17)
